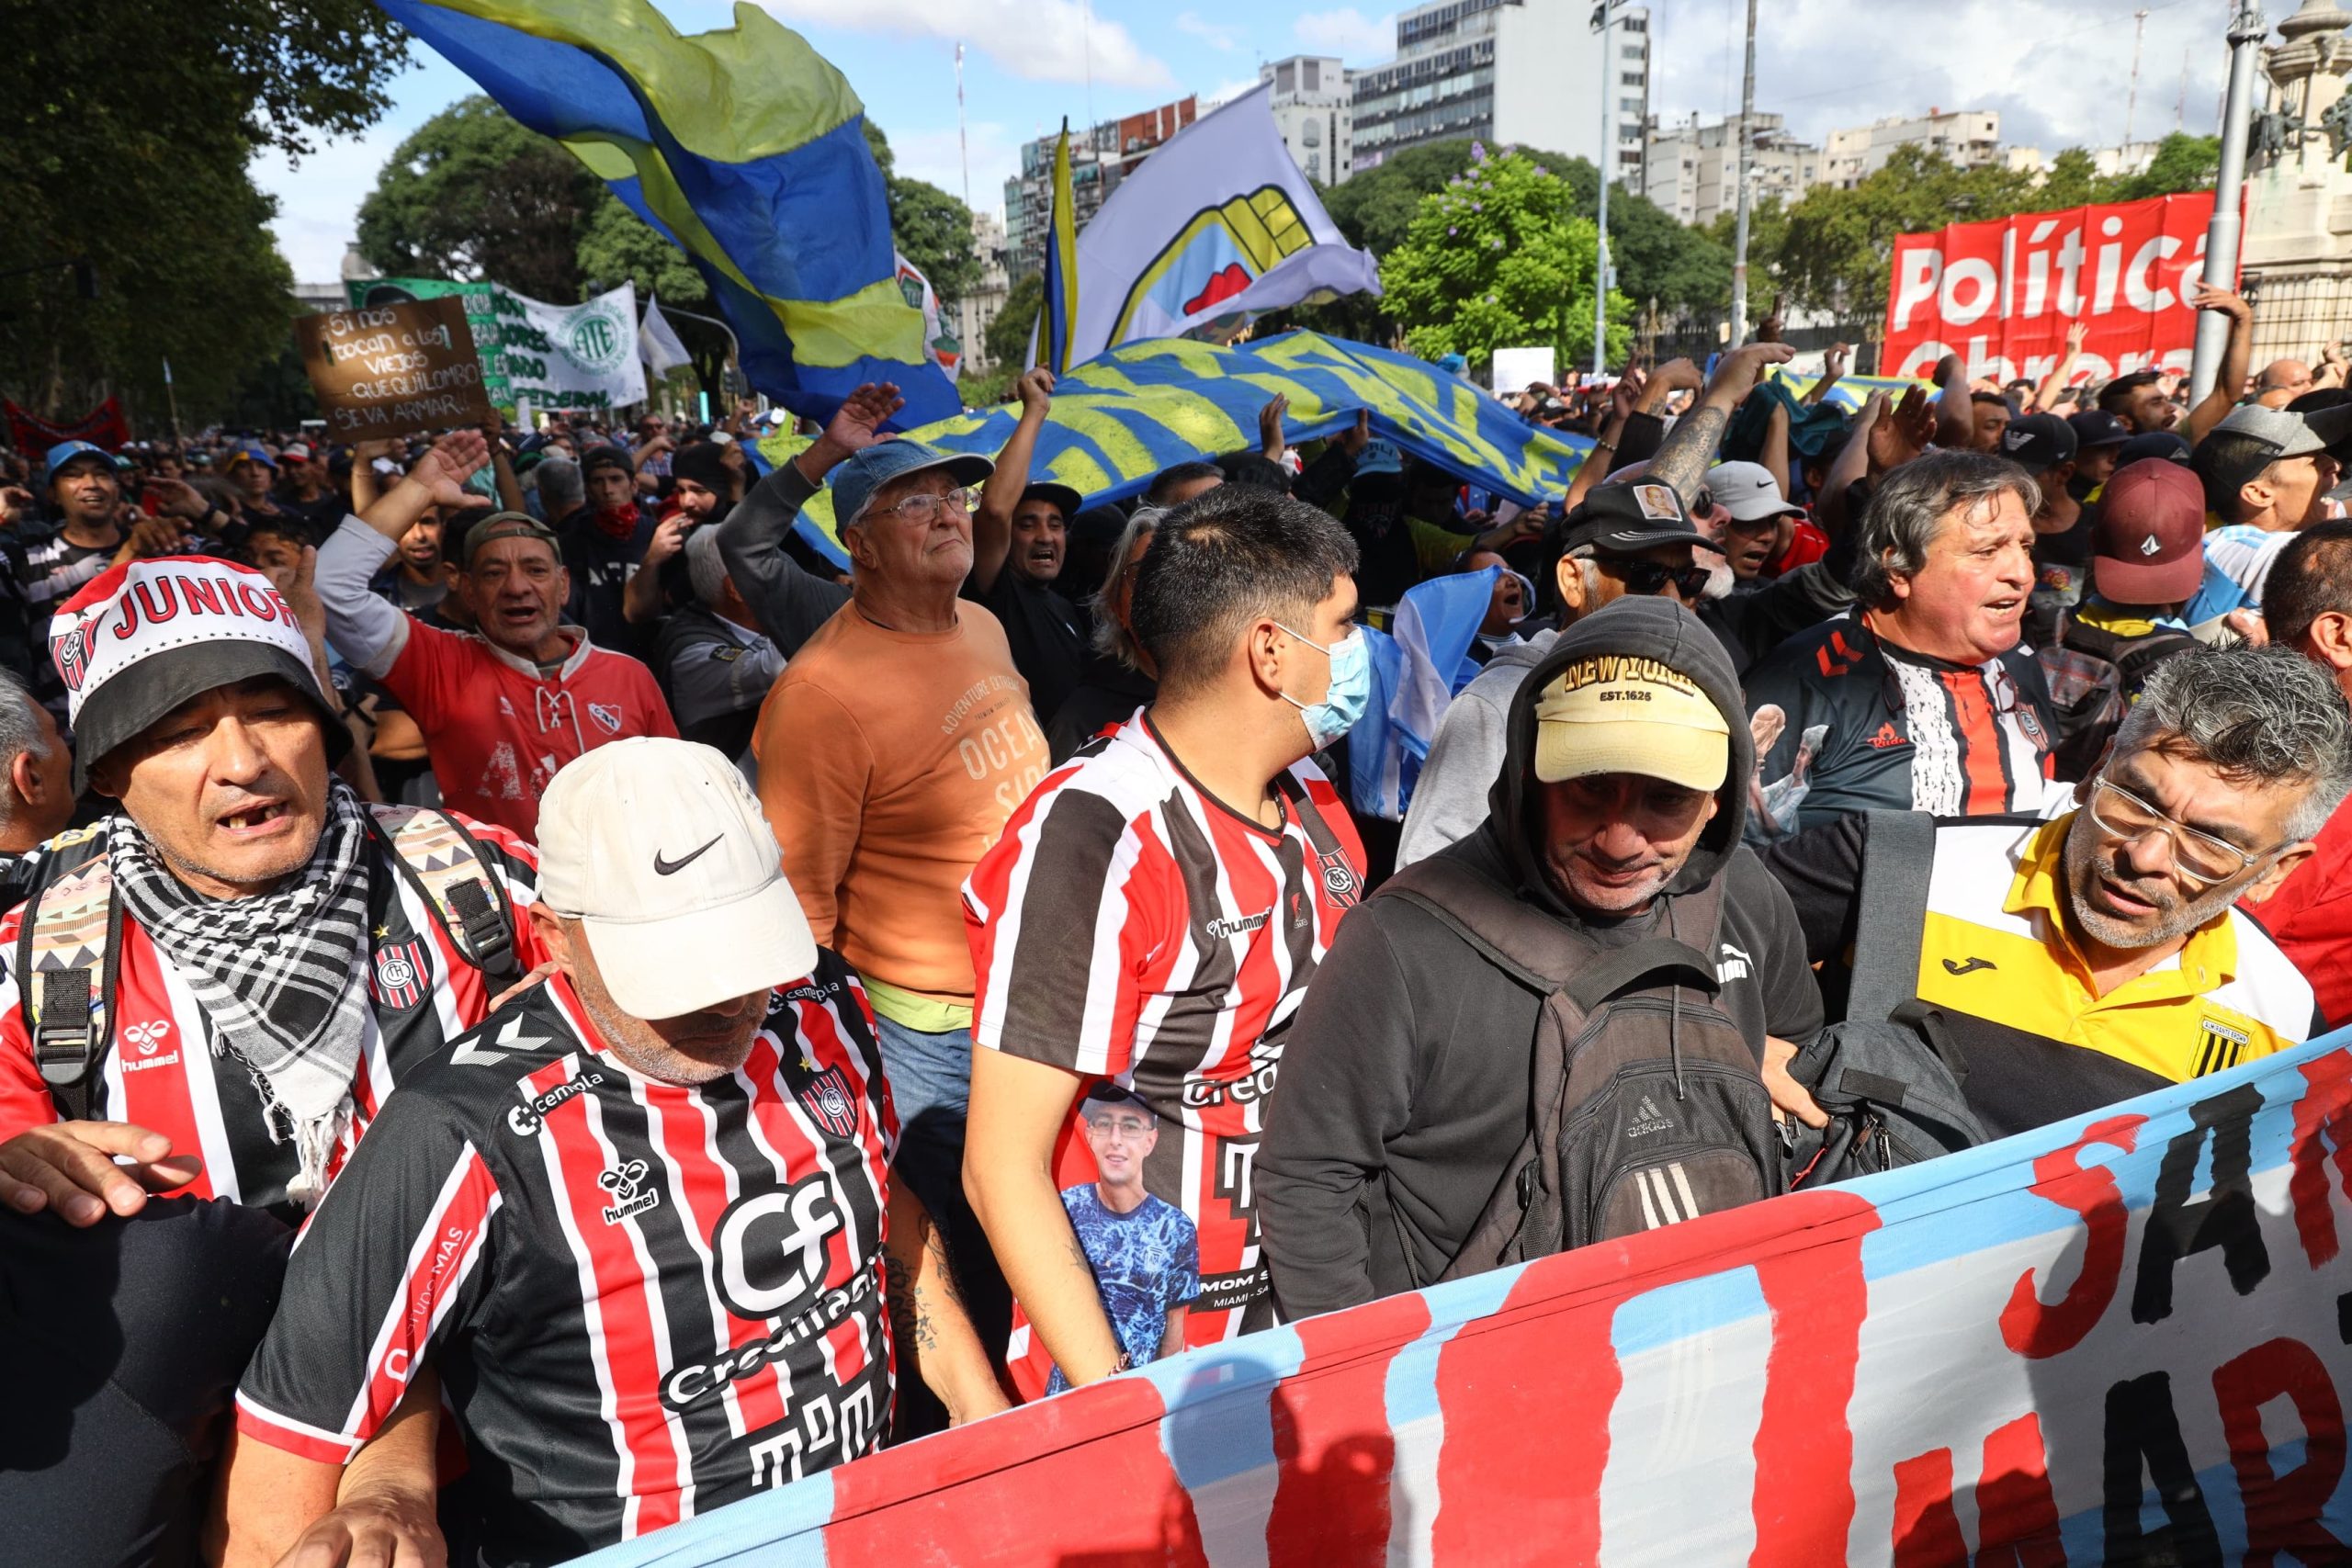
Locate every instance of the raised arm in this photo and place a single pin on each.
(992, 524)
(1955, 411)
(365, 628)
(2231, 383)
(1691, 445)
(2045, 397)
(1775, 455)
(790, 604)
(1833, 368)
(1622, 396)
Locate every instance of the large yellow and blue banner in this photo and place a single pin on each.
(743, 146)
(1121, 417)
(2118, 1340)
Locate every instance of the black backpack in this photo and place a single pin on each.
(1647, 1105)
(1891, 1077)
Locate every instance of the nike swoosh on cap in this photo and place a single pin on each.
(671, 867)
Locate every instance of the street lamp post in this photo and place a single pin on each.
(1604, 15)
(2247, 30)
(1746, 141)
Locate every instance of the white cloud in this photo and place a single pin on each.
(318, 198)
(937, 156)
(1348, 33)
(2058, 71)
(1223, 39)
(1041, 40)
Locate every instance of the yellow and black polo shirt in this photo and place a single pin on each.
(1996, 958)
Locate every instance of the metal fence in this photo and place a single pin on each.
(2296, 312)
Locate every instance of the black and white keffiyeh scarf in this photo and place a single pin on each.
(282, 976)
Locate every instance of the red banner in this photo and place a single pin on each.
(102, 427)
(2002, 293)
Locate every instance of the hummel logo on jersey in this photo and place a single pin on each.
(1648, 1121)
(1666, 1196)
(1886, 738)
(1970, 968)
(663, 867)
(626, 1182)
(1733, 966)
(1226, 926)
(146, 1037)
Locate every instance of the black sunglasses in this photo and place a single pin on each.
(1644, 577)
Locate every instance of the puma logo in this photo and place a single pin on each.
(1969, 967)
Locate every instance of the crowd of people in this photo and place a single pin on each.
(712, 1010)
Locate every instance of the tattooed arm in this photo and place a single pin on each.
(1691, 445)
(933, 1333)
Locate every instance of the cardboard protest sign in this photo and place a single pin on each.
(389, 369)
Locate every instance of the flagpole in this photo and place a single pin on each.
(963, 141)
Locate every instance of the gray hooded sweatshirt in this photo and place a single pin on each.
(1405, 1079)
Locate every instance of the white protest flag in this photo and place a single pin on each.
(1214, 227)
(572, 355)
(657, 339)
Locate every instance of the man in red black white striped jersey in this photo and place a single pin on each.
(635, 1222)
(1151, 916)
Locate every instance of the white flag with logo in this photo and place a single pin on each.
(581, 355)
(657, 339)
(1210, 230)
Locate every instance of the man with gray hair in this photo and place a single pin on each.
(1922, 697)
(714, 662)
(2090, 958)
(35, 781)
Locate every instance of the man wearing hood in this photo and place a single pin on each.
(1405, 1080)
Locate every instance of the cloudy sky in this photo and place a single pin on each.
(2058, 71)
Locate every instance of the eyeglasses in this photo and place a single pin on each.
(923, 510)
(2199, 858)
(1643, 579)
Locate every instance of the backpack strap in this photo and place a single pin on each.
(1898, 858)
(69, 947)
(1538, 951)
(449, 871)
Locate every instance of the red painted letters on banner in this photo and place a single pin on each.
(2002, 293)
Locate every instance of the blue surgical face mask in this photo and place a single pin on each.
(1350, 692)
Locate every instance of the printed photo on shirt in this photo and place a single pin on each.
(1144, 1252)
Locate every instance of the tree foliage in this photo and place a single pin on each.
(620, 247)
(471, 194)
(125, 134)
(1499, 258)
(1655, 257)
(930, 228)
(1015, 324)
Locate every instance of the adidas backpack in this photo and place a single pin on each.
(1646, 1103)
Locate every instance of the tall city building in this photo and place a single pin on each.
(1693, 171)
(1970, 138)
(1523, 73)
(1099, 158)
(1310, 105)
(970, 315)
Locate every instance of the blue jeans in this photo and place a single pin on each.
(931, 1089)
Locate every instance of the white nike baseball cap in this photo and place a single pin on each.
(658, 849)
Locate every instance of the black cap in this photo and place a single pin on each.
(2319, 401)
(1062, 496)
(2038, 441)
(2096, 427)
(2169, 444)
(606, 456)
(1624, 519)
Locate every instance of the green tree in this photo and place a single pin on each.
(472, 194)
(2183, 163)
(1015, 324)
(930, 228)
(126, 135)
(620, 247)
(1498, 258)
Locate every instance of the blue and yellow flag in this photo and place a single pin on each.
(1058, 314)
(742, 146)
(1121, 417)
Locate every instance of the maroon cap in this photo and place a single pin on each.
(2148, 545)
